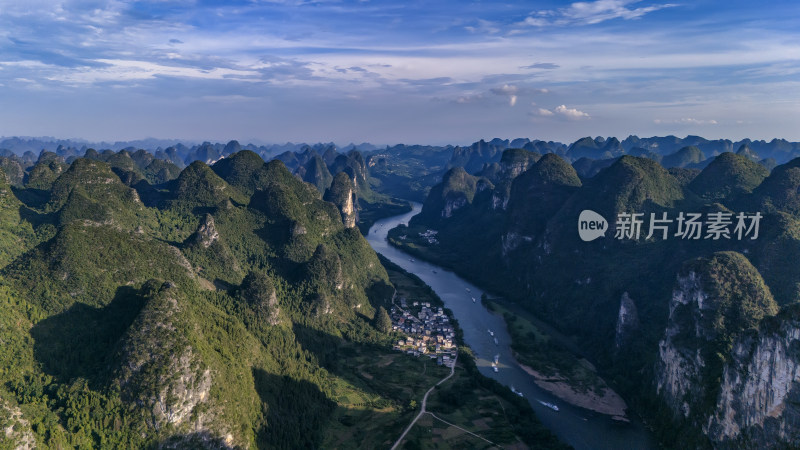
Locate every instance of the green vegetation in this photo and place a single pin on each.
(779, 192)
(728, 175)
(522, 244)
(456, 185)
(538, 350)
(219, 307)
(199, 186)
(685, 157)
(316, 172)
(382, 321)
(45, 172)
(244, 170)
(16, 234)
(633, 184)
(737, 301)
(468, 400)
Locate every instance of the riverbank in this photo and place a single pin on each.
(371, 212)
(608, 402)
(560, 370)
(470, 406)
(487, 336)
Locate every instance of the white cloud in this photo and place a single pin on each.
(736, 69)
(561, 111)
(591, 13)
(602, 10)
(570, 113)
(507, 89)
(536, 21)
(121, 70)
(483, 26)
(685, 121)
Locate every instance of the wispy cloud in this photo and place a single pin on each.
(592, 12)
(382, 63)
(538, 65)
(122, 70)
(483, 26)
(513, 92)
(685, 121)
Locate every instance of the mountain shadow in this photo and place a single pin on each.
(296, 412)
(80, 342)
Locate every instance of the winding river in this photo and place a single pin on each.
(581, 428)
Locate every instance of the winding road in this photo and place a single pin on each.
(424, 403)
(577, 427)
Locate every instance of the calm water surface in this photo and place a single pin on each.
(578, 427)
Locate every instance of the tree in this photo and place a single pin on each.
(382, 321)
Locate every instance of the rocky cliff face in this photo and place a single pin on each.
(161, 372)
(315, 172)
(759, 397)
(258, 291)
(627, 321)
(348, 210)
(452, 203)
(679, 367)
(342, 193)
(15, 431)
(737, 383)
(207, 232)
(515, 161)
(457, 189)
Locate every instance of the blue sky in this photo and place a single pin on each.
(388, 71)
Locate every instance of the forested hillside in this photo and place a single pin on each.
(223, 306)
(696, 328)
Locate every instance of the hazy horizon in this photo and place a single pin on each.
(260, 143)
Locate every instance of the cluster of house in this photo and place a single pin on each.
(428, 331)
(430, 236)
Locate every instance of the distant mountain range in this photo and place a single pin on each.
(400, 171)
(183, 152)
(470, 157)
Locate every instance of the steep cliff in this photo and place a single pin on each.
(315, 172)
(456, 190)
(161, 371)
(727, 364)
(627, 322)
(342, 193)
(535, 196)
(759, 399)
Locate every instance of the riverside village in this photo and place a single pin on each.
(428, 331)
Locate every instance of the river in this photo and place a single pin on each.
(581, 428)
